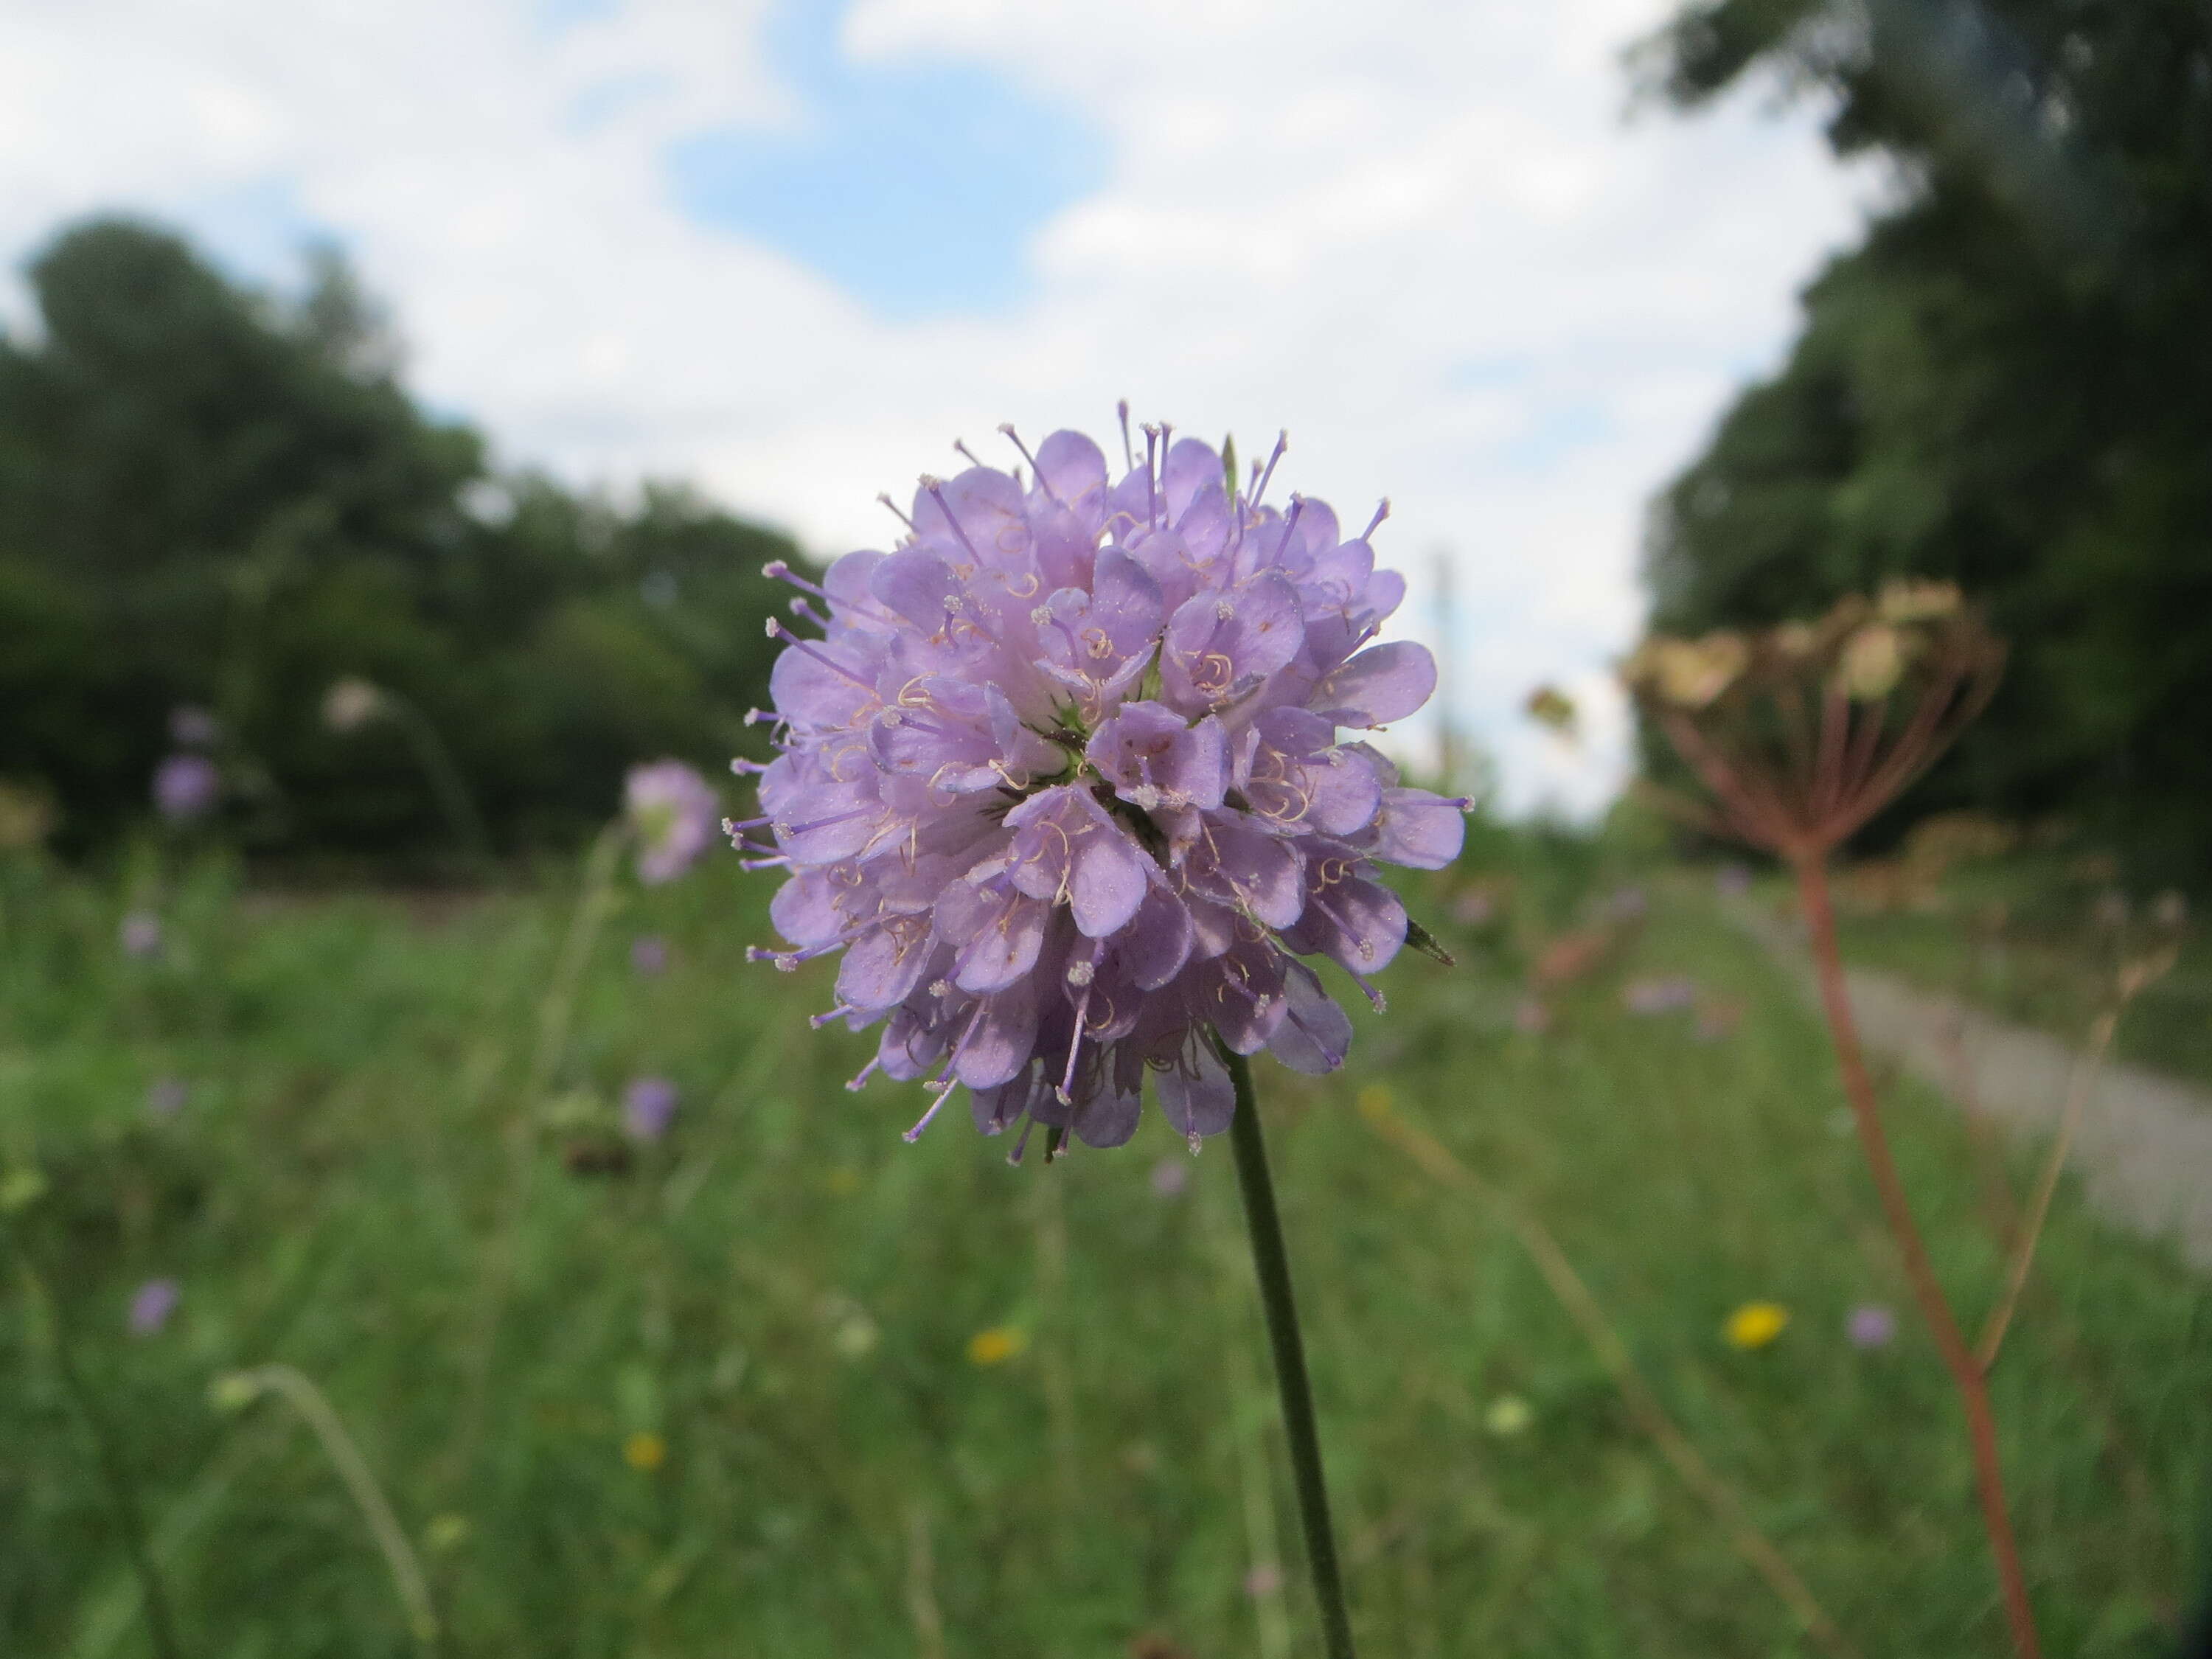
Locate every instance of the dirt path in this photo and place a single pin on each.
(2144, 1148)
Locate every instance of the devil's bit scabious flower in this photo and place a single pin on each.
(185, 786)
(648, 1107)
(151, 1306)
(1063, 781)
(674, 812)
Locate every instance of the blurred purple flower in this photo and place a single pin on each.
(1474, 909)
(648, 1105)
(648, 955)
(140, 933)
(1170, 1176)
(151, 1306)
(1870, 1326)
(1732, 880)
(186, 787)
(674, 812)
(1264, 1579)
(1065, 774)
(192, 727)
(1658, 996)
(1627, 904)
(166, 1097)
(1531, 1018)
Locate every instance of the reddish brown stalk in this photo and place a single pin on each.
(1967, 1374)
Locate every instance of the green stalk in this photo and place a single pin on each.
(1271, 1263)
(114, 1473)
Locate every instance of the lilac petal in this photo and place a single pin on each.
(1244, 1002)
(1112, 876)
(1384, 683)
(997, 1049)
(807, 689)
(1420, 830)
(1071, 467)
(1219, 644)
(804, 908)
(1108, 1116)
(1262, 874)
(1356, 923)
(1156, 943)
(1196, 1096)
(1005, 947)
(919, 586)
(1344, 794)
(1315, 1033)
(1190, 468)
(882, 968)
(1153, 758)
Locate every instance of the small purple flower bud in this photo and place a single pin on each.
(674, 812)
(648, 956)
(186, 787)
(192, 727)
(166, 1096)
(140, 934)
(649, 1106)
(151, 1306)
(1871, 1326)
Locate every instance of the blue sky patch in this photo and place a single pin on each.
(914, 185)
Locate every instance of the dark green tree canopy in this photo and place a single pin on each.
(209, 497)
(2008, 384)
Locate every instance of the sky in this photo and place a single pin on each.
(791, 249)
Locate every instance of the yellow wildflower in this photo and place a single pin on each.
(645, 1452)
(996, 1345)
(1755, 1324)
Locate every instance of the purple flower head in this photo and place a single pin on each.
(674, 812)
(166, 1096)
(648, 1104)
(186, 787)
(151, 1306)
(1732, 880)
(140, 934)
(1531, 1018)
(648, 956)
(1871, 1326)
(1066, 777)
(192, 727)
(1627, 904)
(1658, 996)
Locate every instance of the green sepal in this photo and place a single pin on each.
(1428, 943)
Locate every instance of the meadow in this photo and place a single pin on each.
(775, 1382)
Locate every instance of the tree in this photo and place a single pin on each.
(2008, 384)
(207, 497)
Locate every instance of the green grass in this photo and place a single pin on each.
(784, 1292)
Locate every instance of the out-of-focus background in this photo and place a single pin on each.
(396, 406)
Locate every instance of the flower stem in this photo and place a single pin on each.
(1271, 1265)
(1966, 1374)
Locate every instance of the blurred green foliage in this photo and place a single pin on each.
(784, 1294)
(2008, 383)
(211, 498)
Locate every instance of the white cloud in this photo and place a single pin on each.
(1420, 235)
